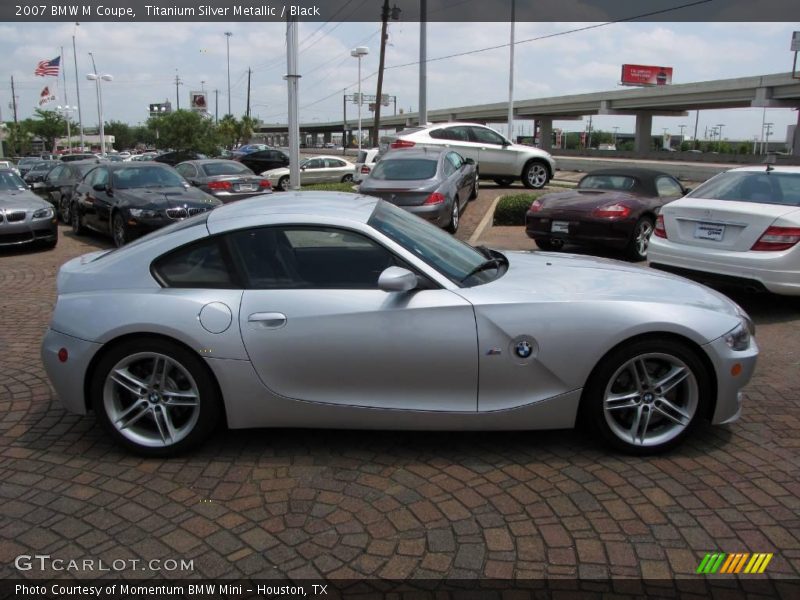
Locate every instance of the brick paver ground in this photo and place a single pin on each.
(343, 504)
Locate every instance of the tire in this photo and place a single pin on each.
(535, 175)
(119, 230)
(78, 228)
(476, 187)
(645, 397)
(50, 244)
(283, 183)
(347, 178)
(63, 210)
(640, 240)
(455, 217)
(155, 397)
(503, 181)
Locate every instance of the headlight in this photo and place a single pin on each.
(143, 213)
(739, 337)
(43, 213)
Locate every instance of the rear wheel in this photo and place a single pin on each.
(455, 217)
(647, 396)
(283, 183)
(347, 178)
(535, 175)
(640, 239)
(155, 397)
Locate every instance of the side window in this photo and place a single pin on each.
(310, 257)
(315, 163)
(455, 160)
(199, 265)
(447, 166)
(55, 174)
(460, 133)
(484, 135)
(332, 163)
(668, 187)
(99, 177)
(441, 134)
(186, 170)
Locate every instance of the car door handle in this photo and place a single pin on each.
(267, 320)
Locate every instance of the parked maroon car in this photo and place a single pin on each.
(610, 207)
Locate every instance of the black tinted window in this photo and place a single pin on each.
(225, 168)
(773, 187)
(404, 169)
(198, 265)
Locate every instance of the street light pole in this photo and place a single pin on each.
(767, 132)
(358, 53)
(228, 35)
(96, 78)
(77, 86)
(511, 73)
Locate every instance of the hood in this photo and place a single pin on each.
(550, 276)
(279, 172)
(21, 200)
(168, 197)
(584, 199)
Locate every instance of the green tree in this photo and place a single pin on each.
(123, 135)
(228, 131)
(18, 138)
(185, 130)
(48, 125)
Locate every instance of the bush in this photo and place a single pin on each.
(511, 209)
(330, 187)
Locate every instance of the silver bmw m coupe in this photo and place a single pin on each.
(320, 309)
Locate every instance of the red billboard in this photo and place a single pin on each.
(646, 75)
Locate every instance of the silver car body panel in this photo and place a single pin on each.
(430, 359)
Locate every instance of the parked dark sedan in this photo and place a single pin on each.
(179, 156)
(26, 163)
(226, 180)
(24, 217)
(126, 200)
(263, 160)
(616, 208)
(432, 183)
(60, 182)
(78, 156)
(38, 171)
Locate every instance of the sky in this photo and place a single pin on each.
(144, 59)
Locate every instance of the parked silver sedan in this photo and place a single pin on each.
(24, 217)
(316, 169)
(334, 310)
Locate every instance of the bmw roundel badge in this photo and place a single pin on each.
(523, 349)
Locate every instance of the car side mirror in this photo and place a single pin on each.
(469, 161)
(686, 190)
(397, 279)
(99, 187)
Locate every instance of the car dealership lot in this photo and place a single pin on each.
(345, 504)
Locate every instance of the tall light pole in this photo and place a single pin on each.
(77, 84)
(719, 145)
(228, 35)
(96, 78)
(681, 127)
(358, 53)
(65, 111)
(292, 85)
(511, 74)
(615, 136)
(386, 13)
(423, 62)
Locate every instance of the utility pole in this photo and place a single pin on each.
(511, 72)
(249, 71)
(216, 106)
(77, 86)
(177, 93)
(344, 122)
(16, 123)
(385, 22)
(696, 120)
(589, 136)
(228, 35)
(423, 62)
(292, 85)
(66, 102)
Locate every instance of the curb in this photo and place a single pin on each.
(485, 222)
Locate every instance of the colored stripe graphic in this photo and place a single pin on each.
(720, 562)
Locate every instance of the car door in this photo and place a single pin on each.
(335, 170)
(189, 172)
(461, 176)
(458, 138)
(97, 206)
(52, 182)
(494, 156)
(313, 171)
(317, 327)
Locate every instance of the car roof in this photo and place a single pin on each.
(423, 152)
(636, 172)
(763, 168)
(311, 205)
(205, 161)
(118, 166)
(327, 156)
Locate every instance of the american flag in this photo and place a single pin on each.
(48, 67)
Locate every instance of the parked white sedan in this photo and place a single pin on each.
(741, 227)
(316, 169)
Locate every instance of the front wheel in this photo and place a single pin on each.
(155, 397)
(640, 239)
(283, 183)
(476, 187)
(455, 217)
(119, 230)
(78, 228)
(535, 175)
(647, 396)
(63, 209)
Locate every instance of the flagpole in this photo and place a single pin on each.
(66, 102)
(77, 85)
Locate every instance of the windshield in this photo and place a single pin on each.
(28, 160)
(225, 168)
(451, 257)
(606, 182)
(11, 182)
(146, 177)
(404, 169)
(42, 166)
(760, 187)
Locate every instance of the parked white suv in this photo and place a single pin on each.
(365, 161)
(497, 158)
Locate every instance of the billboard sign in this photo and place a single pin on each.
(198, 101)
(795, 42)
(160, 108)
(645, 75)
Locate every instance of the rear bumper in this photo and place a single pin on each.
(68, 377)
(438, 214)
(776, 272)
(615, 234)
